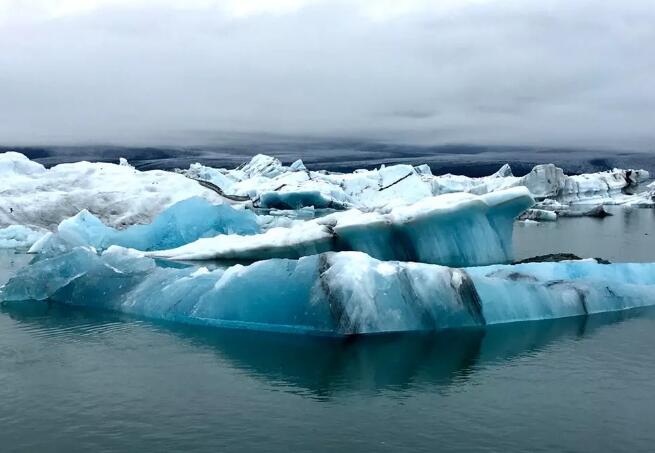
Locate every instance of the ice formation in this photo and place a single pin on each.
(268, 183)
(118, 195)
(457, 229)
(18, 237)
(182, 223)
(334, 293)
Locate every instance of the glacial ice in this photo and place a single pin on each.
(333, 293)
(118, 195)
(405, 184)
(457, 229)
(18, 237)
(182, 223)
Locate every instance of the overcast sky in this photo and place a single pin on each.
(555, 73)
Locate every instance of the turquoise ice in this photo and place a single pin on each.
(182, 223)
(333, 293)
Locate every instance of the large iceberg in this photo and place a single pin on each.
(182, 223)
(456, 229)
(334, 293)
(118, 195)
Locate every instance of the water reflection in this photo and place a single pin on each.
(321, 367)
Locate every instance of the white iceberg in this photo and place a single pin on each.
(273, 184)
(334, 293)
(118, 195)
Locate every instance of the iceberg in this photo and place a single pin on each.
(386, 186)
(539, 215)
(182, 223)
(456, 229)
(119, 195)
(343, 293)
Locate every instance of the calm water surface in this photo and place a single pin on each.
(74, 380)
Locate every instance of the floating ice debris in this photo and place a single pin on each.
(335, 293)
(456, 229)
(539, 215)
(184, 222)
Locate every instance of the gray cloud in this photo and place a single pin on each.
(543, 73)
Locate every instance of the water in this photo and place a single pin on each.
(627, 236)
(74, 380)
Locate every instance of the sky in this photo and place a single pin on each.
(193, 72)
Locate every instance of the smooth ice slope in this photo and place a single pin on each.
(455, 229)
(184, 222)
(334, 293)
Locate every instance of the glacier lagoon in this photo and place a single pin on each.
(75, 379)
(310, 384)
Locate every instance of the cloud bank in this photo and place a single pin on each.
(197, 72)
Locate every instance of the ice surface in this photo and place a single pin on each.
(182, 223)
(404, 184)
(456, 229)
(18, 236)
(118, 195)
(334, 293)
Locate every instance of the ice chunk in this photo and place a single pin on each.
(455, 229)
(539, 215)
(184, 222)
(549, 181)
(18, 236)
(334, 293)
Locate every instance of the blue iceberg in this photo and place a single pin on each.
(454, 229)
(298, 199)
(338, 294)
(182, 223)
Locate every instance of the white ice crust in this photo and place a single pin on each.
(119, 195)
(390, 186)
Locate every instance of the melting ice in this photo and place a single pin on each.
(333, 293)
(375, 263)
